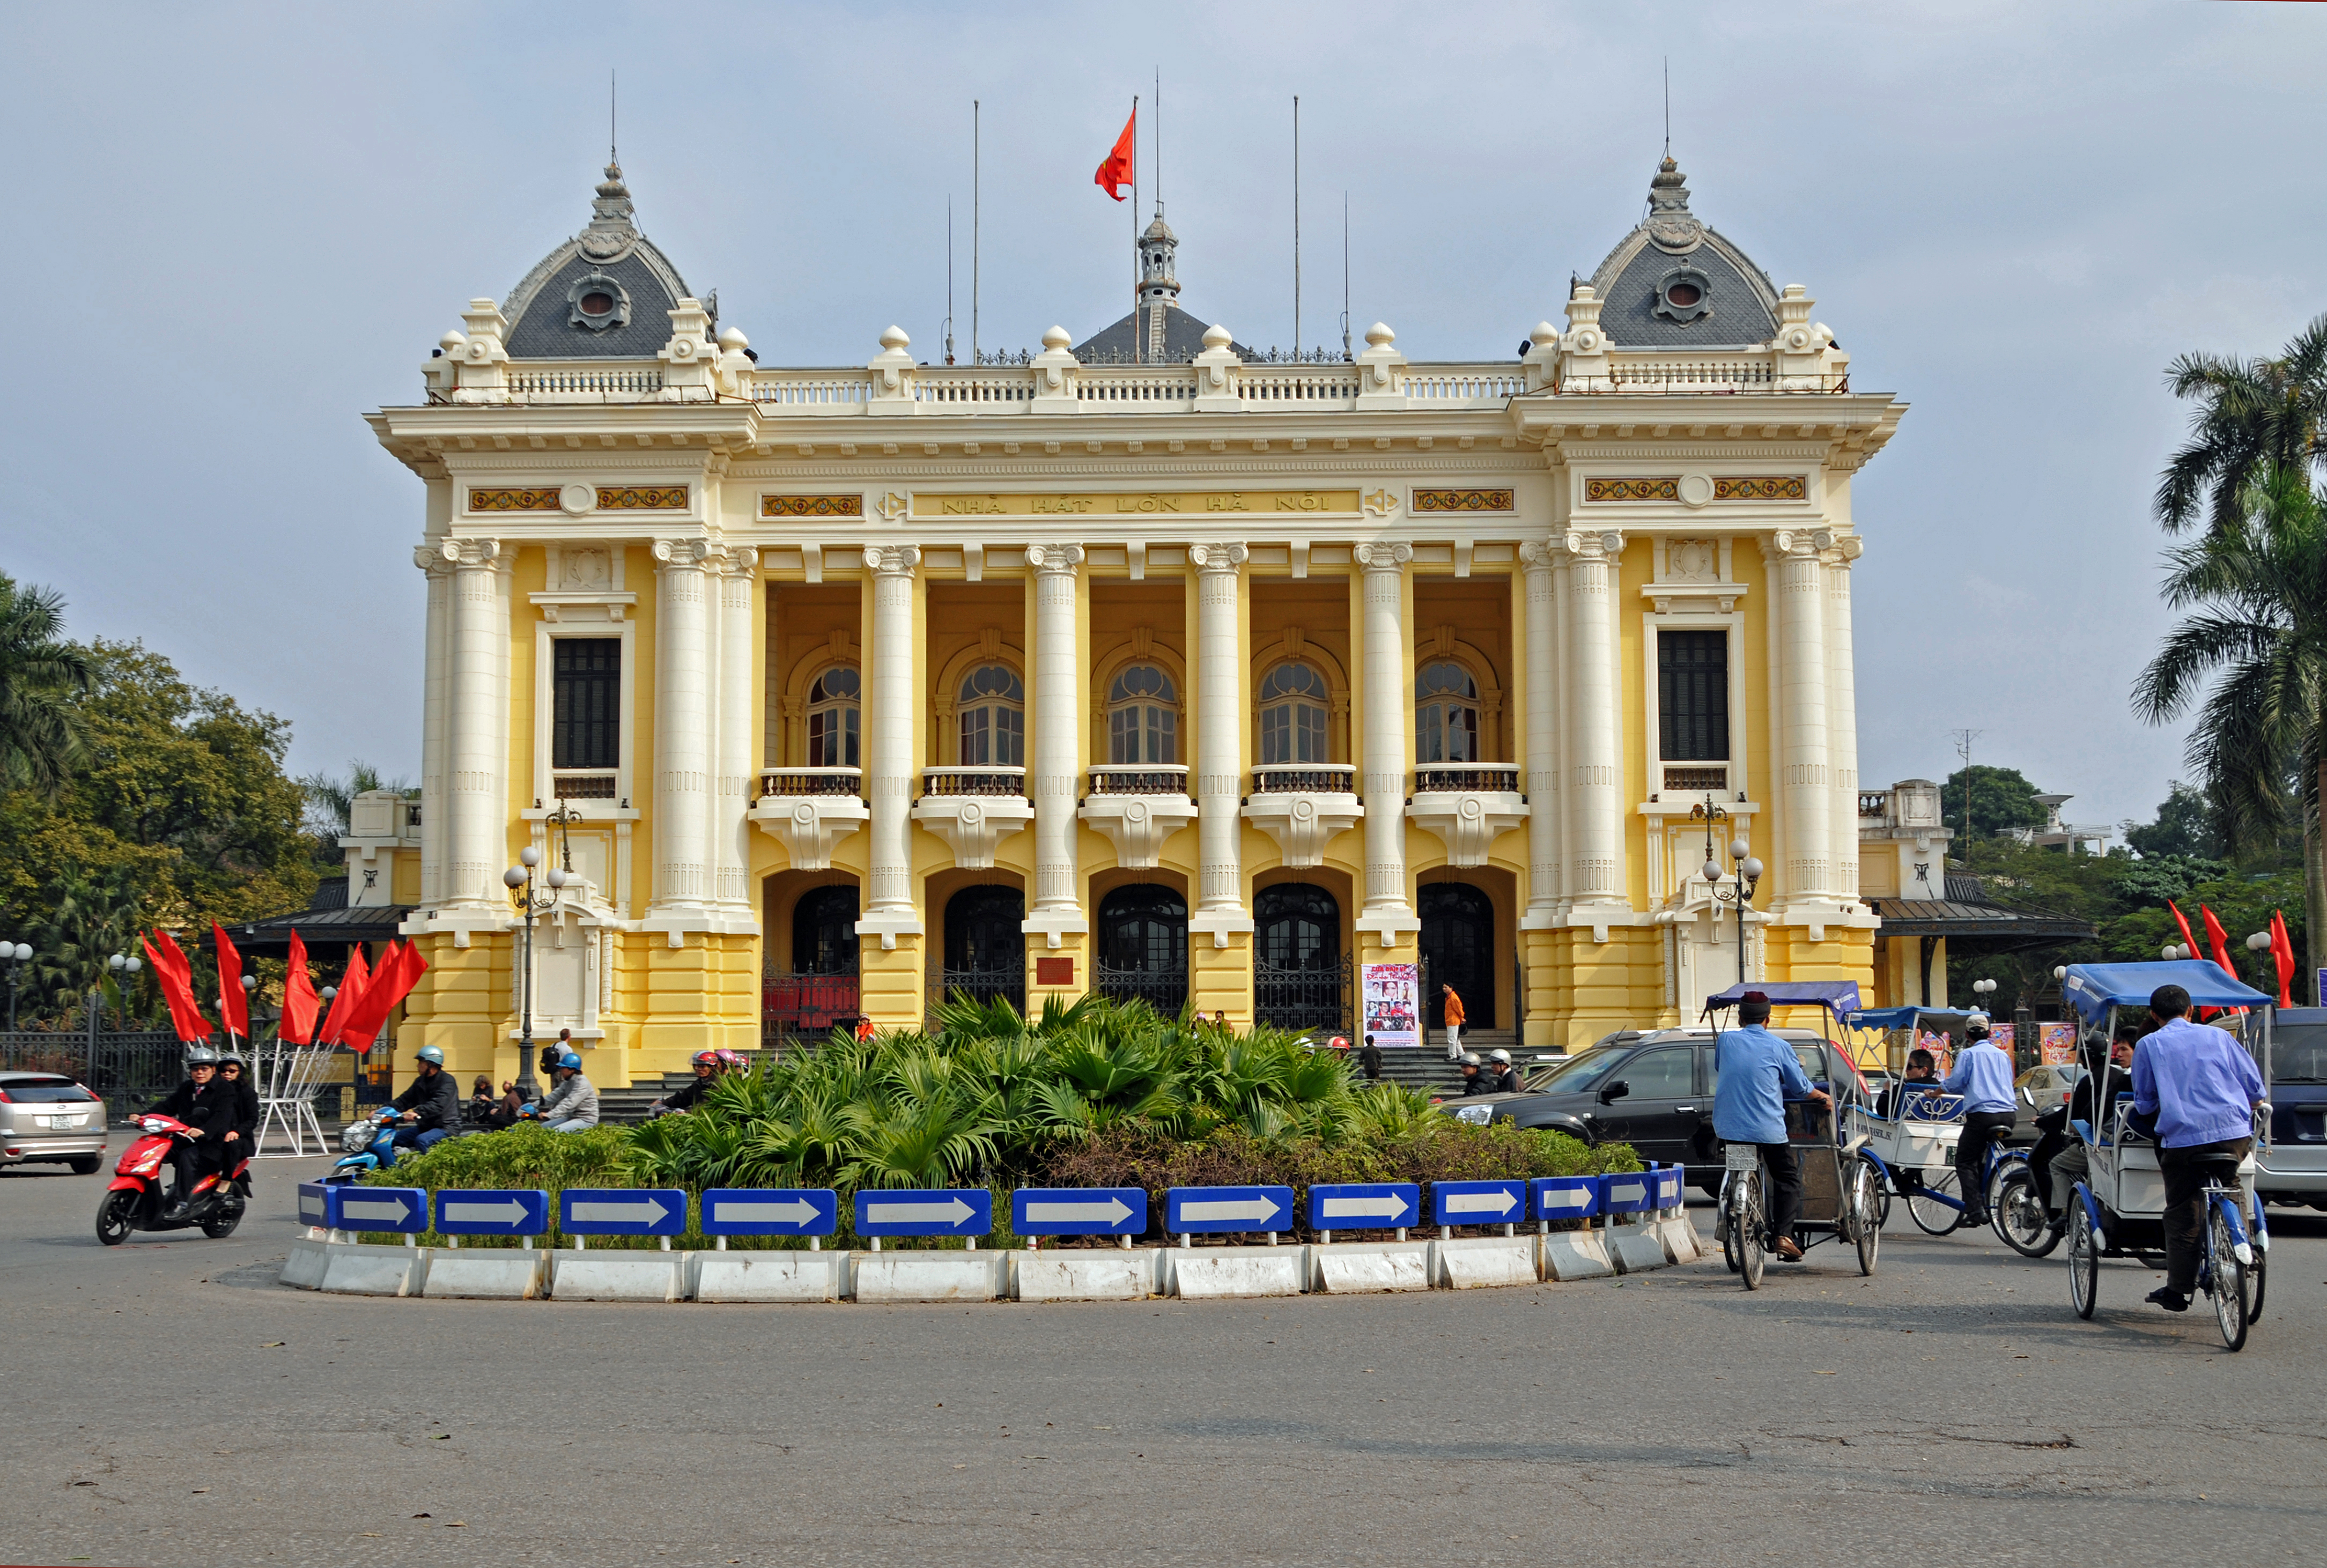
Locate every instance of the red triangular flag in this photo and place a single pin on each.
(2183, 920)
(300, 1001)
(2219, 939)
(2282, 949)
(234, 1006)
(1117, 172)
(175, 975)
(400, 970)
(351, 991)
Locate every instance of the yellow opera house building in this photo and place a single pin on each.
(1147, 664)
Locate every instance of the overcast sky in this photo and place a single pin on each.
(237, 228)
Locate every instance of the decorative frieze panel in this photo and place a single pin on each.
(812, 506)
(632, 498)
(1782, 488)
(1464, 501)
(1631, 490)
(506, 500)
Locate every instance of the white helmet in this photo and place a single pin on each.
(1501, 1056)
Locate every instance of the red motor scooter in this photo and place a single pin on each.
(135, 1201)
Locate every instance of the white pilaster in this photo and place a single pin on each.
(1803, 740)
(731, 828)
(1220, 690)
(1542, 737)
(1057, 755)
(437, 646)
(477, 795)
(684, 761)
(1594, 773)
(1841, 719)
(889, 745)
(1389, 657)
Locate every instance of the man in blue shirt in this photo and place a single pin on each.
(2201, 1087)
(1983, 1075)
(1755, 1073)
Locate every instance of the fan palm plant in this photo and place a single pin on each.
(41, 733)
(2254, 415)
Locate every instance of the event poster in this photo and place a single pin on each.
(1392, 1004)
(2056, 1043)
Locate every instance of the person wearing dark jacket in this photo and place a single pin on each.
(2059, 1159)
(1474, 1082)
(208, 1106)
(235, 1074)
(1370, 1060)
(431, 1103)
(708, 1070)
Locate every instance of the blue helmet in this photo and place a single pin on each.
(571, 1061)
(430, 1053)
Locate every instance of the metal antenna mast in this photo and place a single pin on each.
(949, 335)
(1346, 354)
(611, 140)
(1296, 229)
(976, 208)
(1963, 739)
(1667, 105)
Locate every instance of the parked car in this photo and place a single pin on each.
(46, 1118)
(2036, 1091)
(2293, 1168)
(1652, 1089)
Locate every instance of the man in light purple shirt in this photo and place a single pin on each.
(2201, 1087)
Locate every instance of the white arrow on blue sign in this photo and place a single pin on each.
(1079, 1211)
(621, 1211)
(1627, 1193)
(928, 1211)
(1478, 1202)
(1364, 1204)
(396, 1209)
(771, 1211)
(520, 1211)
(311, 1203)
(1217, 1210)
(1567, 1197)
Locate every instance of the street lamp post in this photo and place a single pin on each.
(19, 954)
(519, 881)
(2258, 944)
(2174, 952)
(1748, 869)
(125, 968)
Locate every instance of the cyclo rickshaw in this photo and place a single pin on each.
(2117, 1211)
(1840, 1199)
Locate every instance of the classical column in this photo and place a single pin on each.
(435, 696)
(683, 716)
(730, 831)
(1056, 755)
(1541, 739)
(1387, 659)
(889, 745)
(1220, 683)
(477, 742)
(1842, 719)
(1802, 739)
(1596, 765)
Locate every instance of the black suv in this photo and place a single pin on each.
(1652, 1089)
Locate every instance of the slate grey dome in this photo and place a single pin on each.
(1674, 282)
(605, 294)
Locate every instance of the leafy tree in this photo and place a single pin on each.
(41, 739)
(2254, 416)
(2185, 826)
(2000, 799)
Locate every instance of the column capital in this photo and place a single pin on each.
(733, 560)
(1384, 554)
(434, 559)
(1801, 543)
(1218, 557)
(682, 553)
(1054, 558)
(1538, 554)
(1592, 546)
(471, 553)
(892, 560)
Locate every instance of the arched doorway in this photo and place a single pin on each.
(1300, 979)
(1458, 944)
(819, 992)
(824, 932)
(1142, 946)
(984, 947)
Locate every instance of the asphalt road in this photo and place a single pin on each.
(167, 1403)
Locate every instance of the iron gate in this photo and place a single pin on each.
(1302, 999)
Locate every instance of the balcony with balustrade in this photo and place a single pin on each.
(1138, 807)
(1303, 807)
(972, 809)
(1468, 805)
(810, 810)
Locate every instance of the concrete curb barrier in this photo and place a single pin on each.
(1354, 1267)
(1636, 1247)
(769, 1276)
(930, 1276)
(310, 1255)
(1575, 1255)
(1086, 1275)
(356, 1269)
(489, 1274)
(1467, 1263)
(617, 1276)
(1199, 1273)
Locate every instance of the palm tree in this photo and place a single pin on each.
(41, 733)
(2254, 414)
(2257, 591)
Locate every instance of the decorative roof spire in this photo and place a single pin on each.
(610, 231)
(1671, 226)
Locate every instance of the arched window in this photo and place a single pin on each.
(1446, 714)
(1292, 716)
(993, 715)
(1143, 717)
(832, 704)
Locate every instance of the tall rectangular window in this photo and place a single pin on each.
(585, 727)
(1693, 695)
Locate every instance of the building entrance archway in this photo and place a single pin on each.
(984, 945)
(1458, 947)
(1142, 947)
(1299, 977)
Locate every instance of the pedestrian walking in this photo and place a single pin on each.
(1370, 1060)
(1454, 1024)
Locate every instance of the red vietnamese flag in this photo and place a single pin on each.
(2219, 939)
(2183, 920)
(400, 970)
(234, 1006)
(2282, 949)
(175, 975)
(1118, 170)
(351, 991)
(300, 1001)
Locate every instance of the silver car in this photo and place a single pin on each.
(45, 1117)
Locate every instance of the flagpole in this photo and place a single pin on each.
(975, 208)
(1134, 231)
(1296, 229)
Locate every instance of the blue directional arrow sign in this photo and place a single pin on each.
(1214, 1211)
(1478, 1202)
(1364, 1204)
(925, 1211)
(1567, 1197)
(310, 1204)
(1667, 1187)
(399, 1208)
(1079, 1211)
(1627, 1193)
(621, 1211)
(522, 1212)
(771, 1211)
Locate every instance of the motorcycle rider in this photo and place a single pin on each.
(709, 1068)
(1505, 1075)
(209, 1108)
(1474, 1082)
(573, 1105)
(234, 1072)
(430, 1103)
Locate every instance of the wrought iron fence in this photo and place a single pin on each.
(128, 1068)
(1164, 990)
(1003, 982)
(1302, 999)
(804, 1006)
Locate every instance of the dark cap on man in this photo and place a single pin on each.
(1753, 1007)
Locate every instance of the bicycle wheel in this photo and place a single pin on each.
(2226, 1277)
(1882, 1192)
(1752, 1225)
(1724, 1228)
(1928, 1204)
(2020, 1216)
(1865, 1196)
(2084, 1259)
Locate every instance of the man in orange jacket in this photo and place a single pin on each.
(1454, 1024)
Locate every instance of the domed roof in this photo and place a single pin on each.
(1674, 282)
(605, 294)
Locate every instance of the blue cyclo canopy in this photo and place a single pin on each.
(1905, 1017)
(1836, 995)
(2095, 988)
